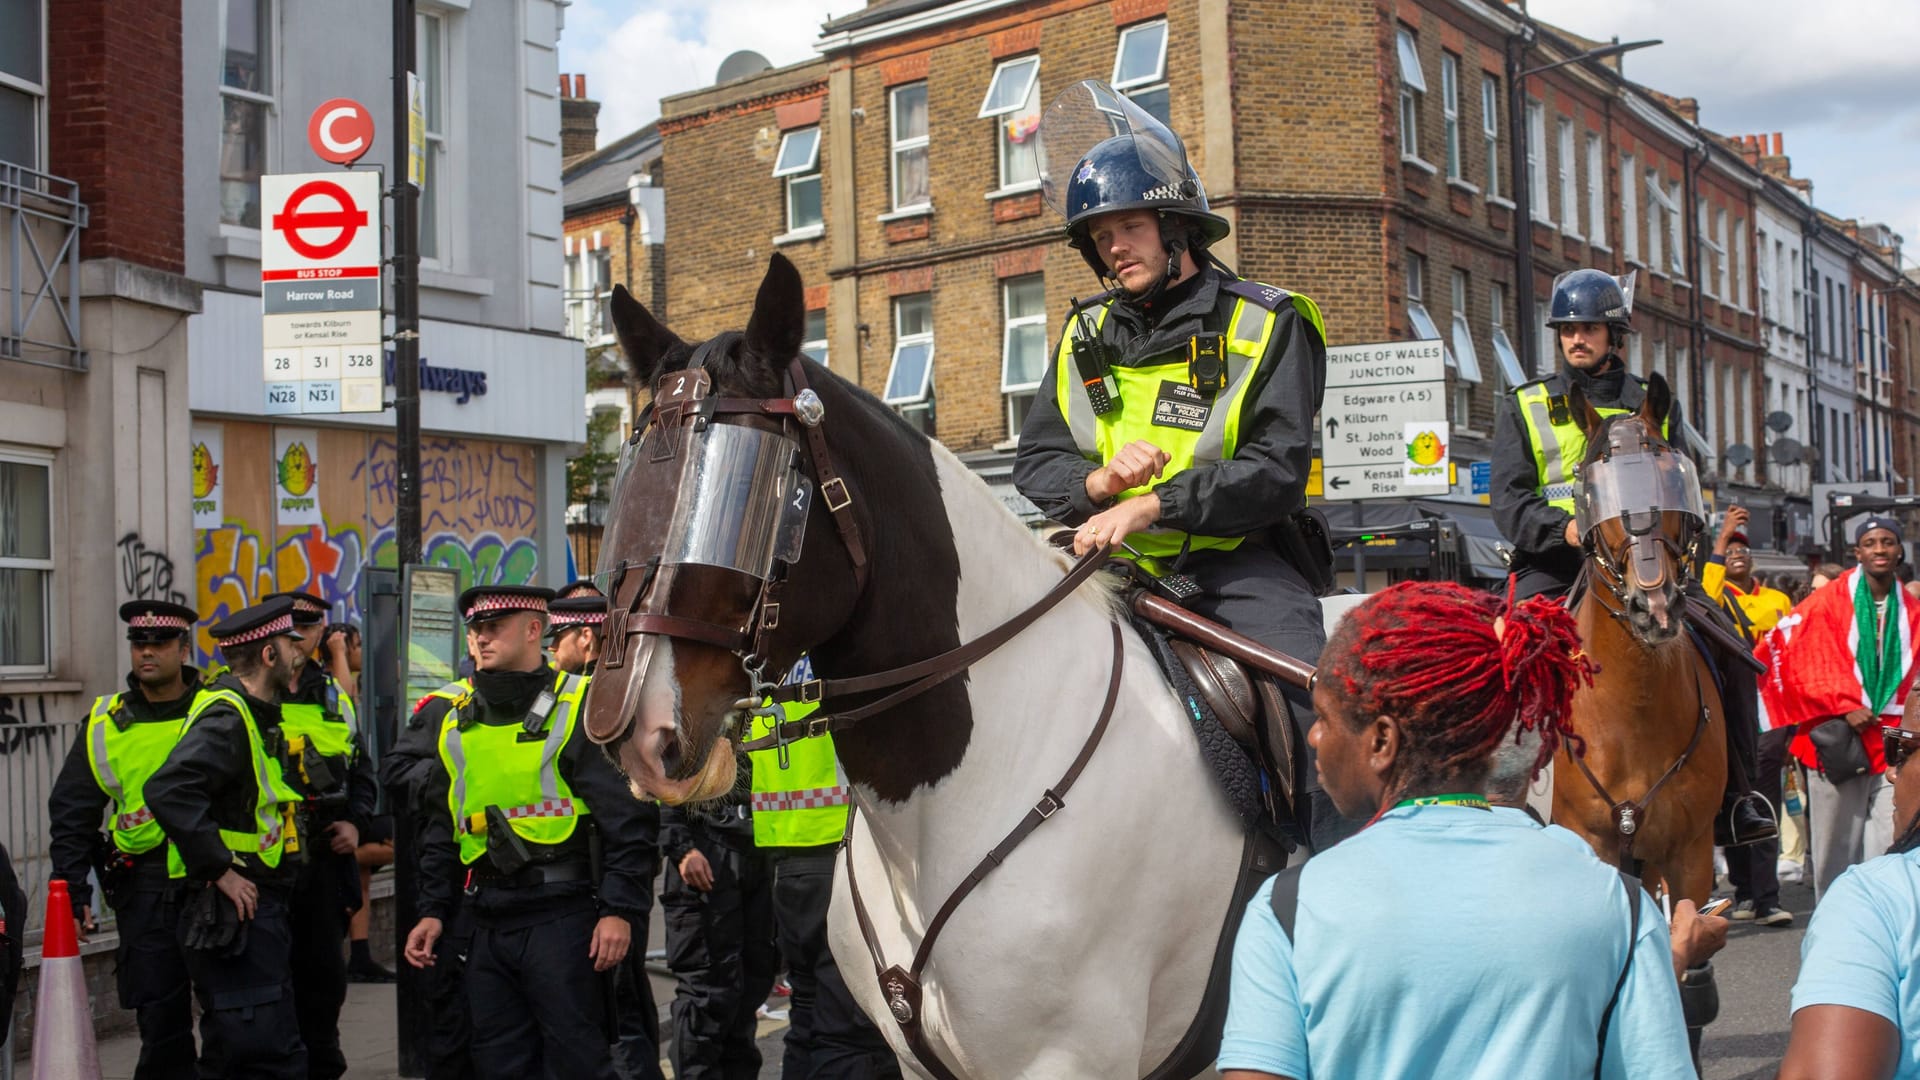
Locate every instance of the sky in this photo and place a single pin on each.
(1839, 78)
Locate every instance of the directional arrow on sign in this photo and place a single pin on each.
(1337, 482)
(1333, 428)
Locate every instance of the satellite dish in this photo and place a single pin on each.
(1787, 452)
(1739, 455)
(1780, 421)
(740, 65)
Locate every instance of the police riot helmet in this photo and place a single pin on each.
(1592, 296)
(1101, 153)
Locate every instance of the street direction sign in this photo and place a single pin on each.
(320, 291)
(340, 131)
(1383, 421)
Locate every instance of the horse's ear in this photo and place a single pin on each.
(642, 337)
(1583, 412)
(778, 323)
(1659, 403)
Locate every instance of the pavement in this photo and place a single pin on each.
(1755, 974)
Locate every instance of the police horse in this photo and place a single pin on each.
(1040, 864)
(1645, 790)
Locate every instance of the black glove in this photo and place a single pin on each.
(209, 922)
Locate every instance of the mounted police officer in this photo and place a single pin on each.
(1177, 413)
(323, 743)
(541, 825)
(1538, 446)
(226, 800)
(127, 738)
(800, 811)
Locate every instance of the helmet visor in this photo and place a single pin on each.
(1089, 113)
(1652, 482)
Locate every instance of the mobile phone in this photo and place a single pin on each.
(1715, 907)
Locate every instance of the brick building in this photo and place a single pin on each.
(1369, 155)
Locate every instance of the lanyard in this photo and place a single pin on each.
(1478, 802)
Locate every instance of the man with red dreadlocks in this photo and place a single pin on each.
(1529, 957)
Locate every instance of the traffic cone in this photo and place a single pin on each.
(63, 1047)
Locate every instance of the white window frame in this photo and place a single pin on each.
(1450, 110)
(1710, 251)
(1490, 130)
(600, 280)
(1569, 177)
(1676, 244)
(1504, 353)
(46, 565)
(1658, 205)
(1413, 89)
(1596, 190)
(1465, 359)
(1001, 115)
(1763, 275)
(817, 347)
(1723, 258)
(791, 175)
(1145, 83)
(1417, 317)
(908, 145)
(1537, 162)
(918, 399)
(1629, 209)
(1010, 323)
(267, 99)
(37, 91)
(437, 230)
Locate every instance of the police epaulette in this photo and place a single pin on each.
(1261, 295)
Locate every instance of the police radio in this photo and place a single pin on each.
(1091, 360)
(1207, 363)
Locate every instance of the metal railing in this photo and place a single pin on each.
(44, 216)
(30, 758)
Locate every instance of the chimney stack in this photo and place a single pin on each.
(579, 118)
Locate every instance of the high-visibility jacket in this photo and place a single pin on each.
(803, 804)
(1559, 446)
(1186, 443)
(331, 727)
(123, 756)
(502, 765)
(274, 798)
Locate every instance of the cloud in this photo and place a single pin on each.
(634, 55)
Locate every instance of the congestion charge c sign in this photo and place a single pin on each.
(292, 221)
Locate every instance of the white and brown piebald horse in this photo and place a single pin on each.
(1086, 953)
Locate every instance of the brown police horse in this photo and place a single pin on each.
(1646, 790)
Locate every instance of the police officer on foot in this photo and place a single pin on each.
(573, 639)
(1177, 413)
(127, 738)
(717, 904)
(573, 642)
(336, 777)
(1538, 446)
(224, 800)
(543, 828)
(799, 819)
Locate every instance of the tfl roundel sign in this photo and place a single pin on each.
(320, 225)
(340, 131)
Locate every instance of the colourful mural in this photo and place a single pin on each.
(478, 509)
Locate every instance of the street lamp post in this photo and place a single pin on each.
(1522, 179)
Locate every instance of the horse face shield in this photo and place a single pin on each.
(1637, 488)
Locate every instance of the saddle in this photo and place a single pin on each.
(1250, 709)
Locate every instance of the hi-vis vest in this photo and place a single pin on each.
(123, 759)
(1558, 443)
(274, 798)
(1249, 331)
(501, 765)
(804, 804)
(332, 727)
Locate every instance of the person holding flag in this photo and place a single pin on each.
(1842, 666)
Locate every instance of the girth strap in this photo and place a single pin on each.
(902, 988)
(920, 677)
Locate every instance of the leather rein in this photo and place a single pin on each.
(901, 986)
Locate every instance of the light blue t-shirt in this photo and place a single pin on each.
(1448, 941)
(1861, 945)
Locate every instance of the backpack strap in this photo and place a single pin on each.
(1286, 897)
(1632, 885)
